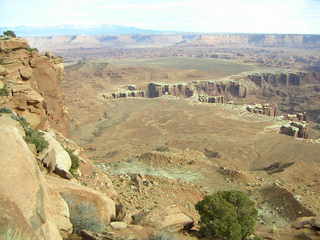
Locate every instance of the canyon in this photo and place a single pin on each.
(152, 138)
(192, 40)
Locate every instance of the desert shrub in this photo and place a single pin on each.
(162, 149)
(4, 91)
(29, 49)
(10, 234)
(83, 216)
(75, 162)
(164, 236)
(210, 154)
(229, 215)
(32, 136)
(36, 137)
(5, 110)
(9, 33)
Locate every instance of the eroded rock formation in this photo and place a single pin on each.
(34, 201)
(32, 84)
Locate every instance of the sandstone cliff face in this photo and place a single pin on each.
(265, 40)
(32, 82)
(36, 202)
(228, 89)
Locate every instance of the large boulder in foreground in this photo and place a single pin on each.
(57, 156)
(89, 209)
(170, 219)
(23, 189)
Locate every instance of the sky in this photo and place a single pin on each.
(246, 16)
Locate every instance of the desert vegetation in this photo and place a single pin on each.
(228, 215)
(4, 91)
(32, 136)
(74, 160)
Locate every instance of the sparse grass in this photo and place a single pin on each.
(4, 91)
(32, 136)
(83, 216)
(162, 149)
(10, 234)
(75, 162)
(211, 154)
(5, 110)
(32, 49)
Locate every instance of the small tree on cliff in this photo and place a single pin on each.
(9, 33)
(228, 215)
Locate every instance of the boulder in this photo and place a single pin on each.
(25, 73)
(57, 156)
(89, 209)
(3, 71)
(13, 44)
(23, 188)
(307, 222)
(60, 213)
(119, 225)
(170, 219)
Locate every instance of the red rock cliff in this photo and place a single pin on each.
(30, 84)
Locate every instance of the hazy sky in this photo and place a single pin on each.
(267, 16)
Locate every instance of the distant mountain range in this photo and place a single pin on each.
(102, 29)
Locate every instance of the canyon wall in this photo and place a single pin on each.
(42, 194)
(32, 82)
(101, 41)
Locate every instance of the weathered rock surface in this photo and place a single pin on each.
(33, 82)
(57, 156)
(22, 184)
(12, 44)
(89, 209)
(119, 225)
(170, 219)
(307, 222)
(60, 213)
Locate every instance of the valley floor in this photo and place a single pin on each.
(184, 149)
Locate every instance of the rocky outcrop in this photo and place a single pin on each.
(32, 81)
(36, 203)
(277, 79)
(210, 88)
(89, 209)
(265, 40)
(22, 183)
(170, 219)
(13, 44)
(265, 109)
(211, 99)
(44, 207)
(295, 129)
(57, 157)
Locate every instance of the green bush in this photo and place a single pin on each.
(9, 33)
(4, 91)
(36, 137)
(29, 49)
(32, 136)
(228, 215)
(5, 110)
(75, 162)
(83, 215)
